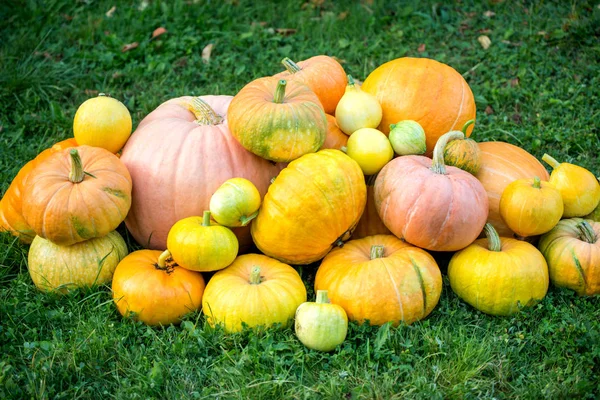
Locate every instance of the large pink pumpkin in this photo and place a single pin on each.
(177, 157)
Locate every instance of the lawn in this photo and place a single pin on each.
(535, 86)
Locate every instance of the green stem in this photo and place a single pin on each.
(586, 232)
(280, 92)
(255, 276)
(322, 296)
(350, 80)
(377, 251)
(290, 66)
(206, 218)
(537, 183)
(494, 241)
(76, 174)
(344, 149)
(204, 113)
(437, 164)
(245, 220)
(550, 160)
(466, 125)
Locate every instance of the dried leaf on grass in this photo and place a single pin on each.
(158, 31)
(129, 46)
(489, 110)
(484, 41)
(111, 12)
(489, 14)
(285, 31)
(91, 92)
(421, 48)
(206, 51)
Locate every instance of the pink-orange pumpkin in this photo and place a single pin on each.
(428, 204)
(178, 156)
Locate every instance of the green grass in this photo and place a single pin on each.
(536, 86)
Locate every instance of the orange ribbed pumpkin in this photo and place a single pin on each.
(322, 74)
(11, 214)
(178, 157)
(501, 164)
(335, 139)
(424, 90)
(381, 279)
(77, 194)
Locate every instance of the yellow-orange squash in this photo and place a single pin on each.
(77, 194)
(497, 275)
(572, 250)
(501, 164)
(424, 90)
(11, 205)
(381, 279)
(255, 290)
(313, 205)
(150, 287)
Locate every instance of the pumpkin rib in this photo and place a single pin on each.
(47, 209)
(394, 286)
(421, 283)
(578, 268)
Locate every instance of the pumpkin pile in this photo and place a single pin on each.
(303, 167)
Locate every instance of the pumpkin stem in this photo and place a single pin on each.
(280, 92)
(344, 149)
(290, 66)
(494, 241)
(550, 160)
(255, 276)
(204, 113)
(322, 297)
(76, 174)
(245, 220)
(206, 218)
(377, 251)
(164, 262)
(438, 165)
(351, 81)
(466, 125)
(586, 232)
(537, 183)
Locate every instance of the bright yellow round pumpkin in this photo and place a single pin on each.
(499, 275)
(579, 188)
(370, 148)
(531, 207)
(102, 122)
(198, 244)
(313, 205)
(62, 268)
(255, 290)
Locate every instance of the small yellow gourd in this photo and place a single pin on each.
(370, 148)
(235, 203)
(579, 188)
(357, 109)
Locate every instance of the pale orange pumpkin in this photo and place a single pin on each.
(381, 279)
(501, 164)
(77, 194)
(335, 138)
(11, 213)
(324, 75)
(178, 157)
(424, 90)
(428, 204)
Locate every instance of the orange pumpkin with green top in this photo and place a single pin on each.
(464, 152)
(77, 194)
(11, 205)
(277, 120)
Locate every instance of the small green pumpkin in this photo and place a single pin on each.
(463, 153)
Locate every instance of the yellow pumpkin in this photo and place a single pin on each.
(255, 290)
(313, 205)
(499, 275)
